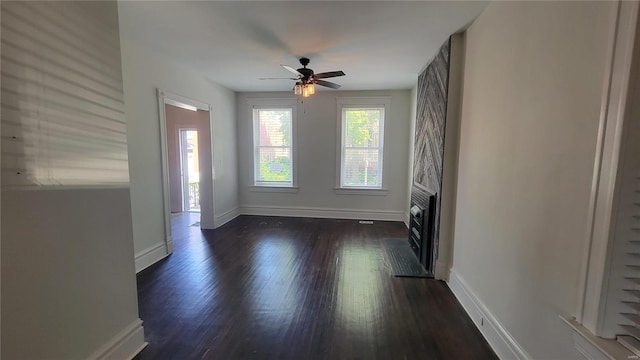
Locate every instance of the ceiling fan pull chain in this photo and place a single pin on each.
(304, 108)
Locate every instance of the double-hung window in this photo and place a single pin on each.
(361, 142)
(273, 129)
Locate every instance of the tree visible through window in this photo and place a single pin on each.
(272, 141)
(361, 161)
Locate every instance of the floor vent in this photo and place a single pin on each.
(366, 222)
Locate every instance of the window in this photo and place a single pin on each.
(609, 286)
(273, 145)
(361, 139)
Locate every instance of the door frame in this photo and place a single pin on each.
(168, 98)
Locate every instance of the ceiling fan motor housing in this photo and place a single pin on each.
(307, 74)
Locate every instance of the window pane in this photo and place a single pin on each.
(362, 127)
(361, 168)
(275, 127)
(275, 165)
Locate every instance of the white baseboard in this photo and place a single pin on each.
(226, 217)
(169, 248)
(357, 214)
(406, 219)
(441, 271)
(151, 255)
(505, 346)
(125, 345)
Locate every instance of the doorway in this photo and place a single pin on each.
(187, 164)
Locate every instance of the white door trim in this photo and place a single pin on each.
(165, 97)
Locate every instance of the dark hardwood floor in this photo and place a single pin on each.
(296, 288)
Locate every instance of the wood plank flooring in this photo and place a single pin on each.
(296, 288)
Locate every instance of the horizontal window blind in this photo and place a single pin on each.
(629, 272)
(63, 120)
(626, 261)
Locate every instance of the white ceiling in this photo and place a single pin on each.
(379, 45)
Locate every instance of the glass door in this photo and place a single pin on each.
(189, 170)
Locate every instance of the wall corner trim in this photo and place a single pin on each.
(505, 346)
(125, 345)
(151, 255)
(442, 270)
(226, 217)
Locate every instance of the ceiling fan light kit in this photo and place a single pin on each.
(306, 79)
(309, 89)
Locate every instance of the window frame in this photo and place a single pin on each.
(273, 104)
(589, 321)
(382, 102)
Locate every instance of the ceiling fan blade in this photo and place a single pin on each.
(278, 78)
(328, 84)
(329, 74)
(289, 68)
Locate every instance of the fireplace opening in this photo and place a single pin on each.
(421, 221)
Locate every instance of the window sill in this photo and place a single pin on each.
(274, 189)
(361, 191)
(595, 347)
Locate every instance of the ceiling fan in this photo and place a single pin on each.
(306, 78)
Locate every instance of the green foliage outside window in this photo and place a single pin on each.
(278, 169)
(361, 127)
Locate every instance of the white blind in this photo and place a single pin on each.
(628, 234)
(62, 113)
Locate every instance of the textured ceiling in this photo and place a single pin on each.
(379, 45)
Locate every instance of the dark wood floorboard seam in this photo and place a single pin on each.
(296, 288)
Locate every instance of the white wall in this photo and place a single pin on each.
(450, 158)
(316, 135)
(143, 72)
(68, 280)
(533, 83)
